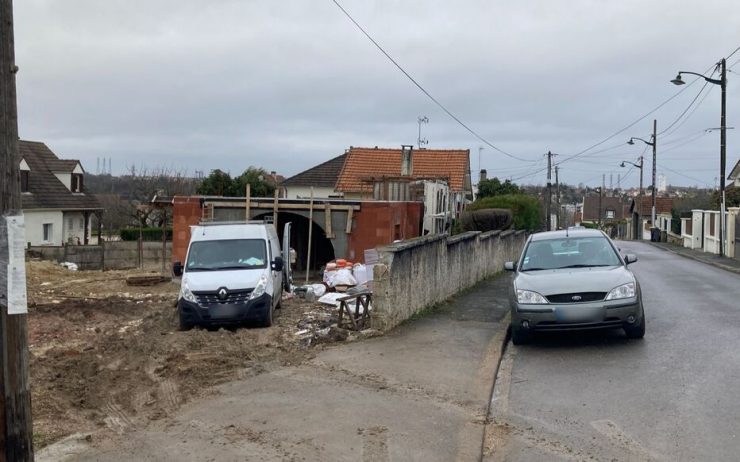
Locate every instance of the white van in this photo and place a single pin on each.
(233, 273)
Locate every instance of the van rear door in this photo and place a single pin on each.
(287, 269)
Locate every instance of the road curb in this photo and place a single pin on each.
(701, 260)
(498, 344)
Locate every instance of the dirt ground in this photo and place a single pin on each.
(106, 356)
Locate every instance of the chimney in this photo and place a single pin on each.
(483, 175)
(407, 164)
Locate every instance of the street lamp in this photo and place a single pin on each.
(722, 82)
(637, 235)
(654, 144)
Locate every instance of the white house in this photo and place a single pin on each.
(56, 208)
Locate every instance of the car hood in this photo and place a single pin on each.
(573, 280)
(231, 279)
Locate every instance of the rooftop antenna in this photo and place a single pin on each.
(422, 120)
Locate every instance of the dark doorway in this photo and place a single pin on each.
(322, 250)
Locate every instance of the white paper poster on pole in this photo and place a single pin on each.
(17, 296)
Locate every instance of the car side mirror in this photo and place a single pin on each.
(277, 264)
(177, 268)
(510, 266)
(630, 258)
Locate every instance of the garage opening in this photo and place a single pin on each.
(322, 250)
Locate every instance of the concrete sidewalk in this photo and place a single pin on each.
(728, 264)
(420, 393)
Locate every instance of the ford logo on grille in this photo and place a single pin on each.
(576, 298)
(223, 293)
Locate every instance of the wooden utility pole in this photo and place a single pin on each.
(16, 442)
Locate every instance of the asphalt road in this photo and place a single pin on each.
(672, 396)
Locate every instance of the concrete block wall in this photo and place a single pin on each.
(424, 271)
(111, 255)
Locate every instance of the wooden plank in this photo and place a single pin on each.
(327, 221)
(270, 205)
(349, 221)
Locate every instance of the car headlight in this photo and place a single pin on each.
(529, 298)
(186, 293)
(260, 288)
(623, 291)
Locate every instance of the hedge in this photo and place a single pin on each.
(147, 234)
(525, 209)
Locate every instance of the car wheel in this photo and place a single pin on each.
(183, 324)
(520, 336)
(636, 330)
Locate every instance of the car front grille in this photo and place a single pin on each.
(574, 297)
(554, 326)
(233, 297)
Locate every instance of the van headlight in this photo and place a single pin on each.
(527, 297)
(623, 291)
(260, 288)
(186, 293)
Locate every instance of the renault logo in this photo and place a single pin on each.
(222, 293)
(576, 298)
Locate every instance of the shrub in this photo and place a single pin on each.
(147, 234)
(525, 209)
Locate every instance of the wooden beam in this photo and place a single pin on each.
(349, 221)
(327, 221)
(270, 205)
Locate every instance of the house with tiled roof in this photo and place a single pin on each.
(323, 178)
(367, 168)
(56, 208)
(606, 209)
(734, 176)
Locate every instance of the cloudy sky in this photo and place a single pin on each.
(189, 85)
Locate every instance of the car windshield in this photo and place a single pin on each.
(226, 254)
(568, 252)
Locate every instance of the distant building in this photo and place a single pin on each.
(662, 183)
(56, 208)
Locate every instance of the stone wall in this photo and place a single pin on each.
(111, 255)
(424, 271)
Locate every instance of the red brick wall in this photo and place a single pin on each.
(380, 223)
(186, 212)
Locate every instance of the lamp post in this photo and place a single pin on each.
(722, 82)
(642, 160)
(654, 144)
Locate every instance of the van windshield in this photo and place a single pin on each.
(227, 254)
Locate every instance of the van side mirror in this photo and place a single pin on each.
(177, 268)
(277, 264)
(630, 258)
(510, 266)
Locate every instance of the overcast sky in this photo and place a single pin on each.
(192, 85)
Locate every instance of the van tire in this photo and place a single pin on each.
(182, 324)
(267, 319)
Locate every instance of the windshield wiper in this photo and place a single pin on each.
(582, 266)
(535, 269)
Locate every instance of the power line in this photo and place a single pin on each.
(686, 176)
(423, 90)
(692, 111)
(687, 107)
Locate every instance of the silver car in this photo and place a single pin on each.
(573, 279)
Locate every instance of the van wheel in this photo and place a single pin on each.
(267, 319)
(182, 324)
